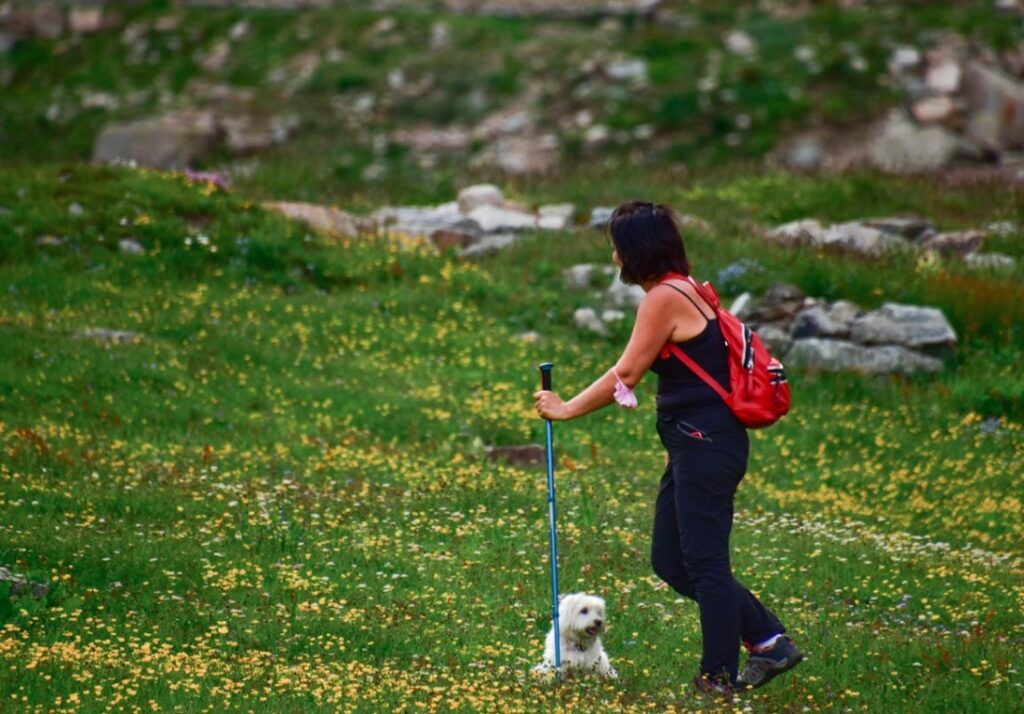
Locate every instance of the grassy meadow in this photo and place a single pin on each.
(275, 497)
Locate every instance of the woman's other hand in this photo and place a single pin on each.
(550, 406)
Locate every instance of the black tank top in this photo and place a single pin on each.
(680, 390)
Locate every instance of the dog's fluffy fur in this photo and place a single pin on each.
(581, 622)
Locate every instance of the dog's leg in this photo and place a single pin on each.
(604, 667)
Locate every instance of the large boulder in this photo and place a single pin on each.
(842, 356)
(906, 325)
(171, 141)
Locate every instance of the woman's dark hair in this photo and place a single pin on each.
(646, 237)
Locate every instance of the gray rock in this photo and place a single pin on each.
(776, 338)
(48, 21)
(909, 227)
(600, 216)
(556, 217)
(484, 194)
(425, 220)
(995, 108)
(130, 246)
(859, 238)
(624, 296)
(739, 42)
(596, 136)
(995, 262)
(780, 305)
(933, 110)
(955, 243)
(904, 59)
(583, 276)
(172, 141)
(906, 325)
(823, 321)
(85, 20)
(522, 155)
(49, 241)
(489, 245)
(944, 77)
(76, 209)
(249, 134)
(112, 337)
(903, 147)
(445, 238)
(496, 219)
(525, 455)
(586, 319)
(1003, 229)
(217, 57)
(807, 231)
(741, 306)
(325, 219)
(612, 316)
(842, 356)
(805, 154)
(633, 69)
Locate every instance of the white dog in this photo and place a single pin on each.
(581, 622)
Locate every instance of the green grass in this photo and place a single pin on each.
(277, 499)
(488, 63)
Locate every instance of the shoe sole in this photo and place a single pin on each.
(790, 664)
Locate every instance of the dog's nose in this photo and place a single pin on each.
(597, 623)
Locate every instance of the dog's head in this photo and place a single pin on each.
(581, 618)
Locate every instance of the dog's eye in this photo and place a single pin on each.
(583, 611)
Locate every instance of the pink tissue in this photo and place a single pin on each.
(624, 395)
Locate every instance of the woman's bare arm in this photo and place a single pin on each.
(655, 320)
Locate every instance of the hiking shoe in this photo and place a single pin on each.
(762, 667)
(708, 685)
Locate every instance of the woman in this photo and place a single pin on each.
(707, 449)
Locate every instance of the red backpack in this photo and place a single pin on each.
(758, 391)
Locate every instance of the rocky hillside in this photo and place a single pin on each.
(401, 99)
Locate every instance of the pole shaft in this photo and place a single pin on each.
(554, 545)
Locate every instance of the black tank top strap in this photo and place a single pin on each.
(685, 295)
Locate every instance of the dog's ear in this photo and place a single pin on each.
(561, 598)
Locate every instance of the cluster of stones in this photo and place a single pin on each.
(21, 585)
(964, 105)
(874, 237)
(840, 336)
(616, 296)
(807, 332)
(480, 222)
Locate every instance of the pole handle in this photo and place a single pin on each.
(545, 376)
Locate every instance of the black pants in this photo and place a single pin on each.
(692, 521)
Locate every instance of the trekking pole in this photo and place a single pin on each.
(545, 384)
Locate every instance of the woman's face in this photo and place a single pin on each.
(615, 258)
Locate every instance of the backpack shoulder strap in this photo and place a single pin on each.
(694, 302)
(698, 370)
